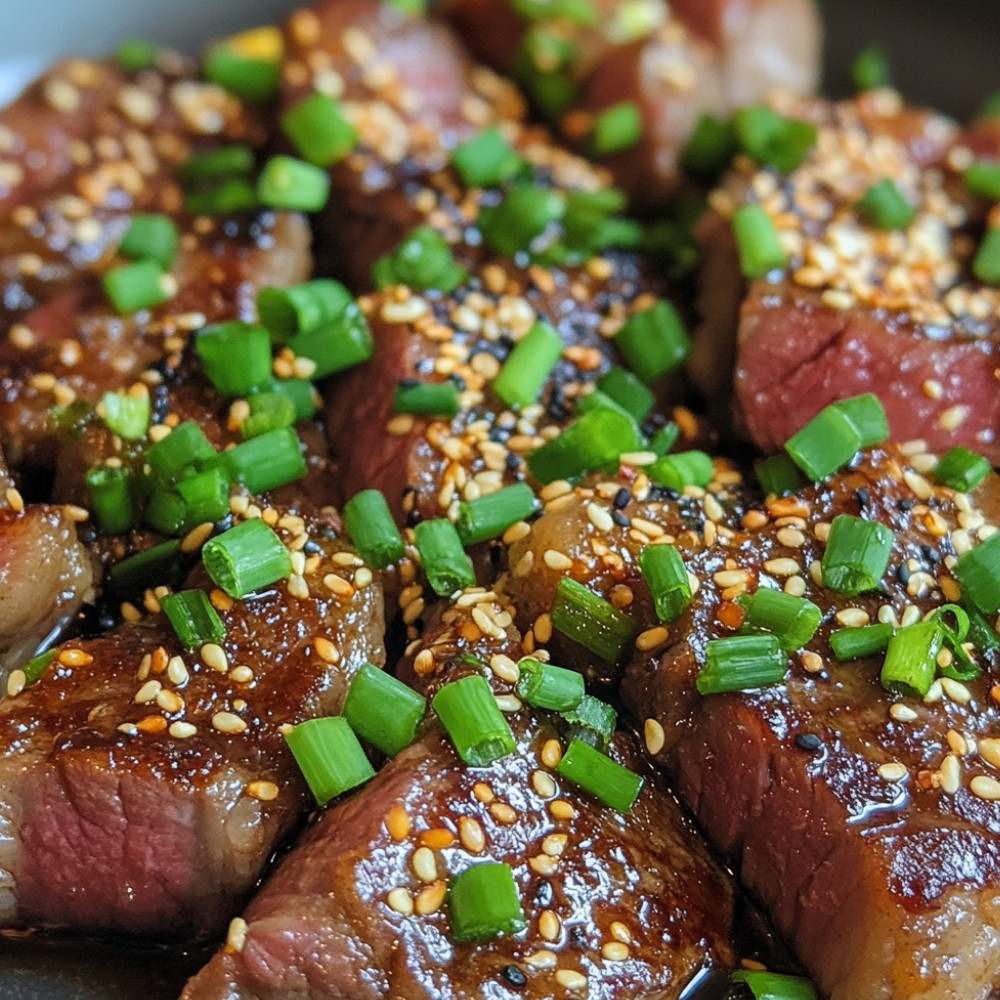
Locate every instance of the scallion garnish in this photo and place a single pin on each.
(337, 344)
(369, 523)
(857, 555)
(911, 658)
(775, 986)
(741, 663)
(654, 341)
(667, 577)
(382, 710)
(140, 285)
(248, 64)
(545, 685)
(179, 452)
(330, 757)
(37, 666)
(234, 194)
(469, 713)
(592, 721)
(628, 391)
(227, 161)
(288, 311)
(681, 469)
(205, 495)
(246, 558)
(664, 439)
(602, 777)
(267, 461)
(126, 414)
(829, 441)
(884, 206)
(983, 179)
(592, 441)
(523, 215)
(870, 69)
(778, 474)
(193, 618)
(710, 147)
(236, 357)
(318, 130)
(769, 138)
(447, 566)
(151, 236)
(616, 129)
(867, 415)
(486, 160)
(961, 469)
(423, 260)
(978, 571)
(582, 12)
(135, 54)
(528, 366)
(158, 565)
(483, 902)
(854, 643)
(165, 510)
(300, 392)
(110, 491)
(757, 242)
(791, 620)
(590, 620)
(491, 515)
(269, 411)
(285, 182)
(986, 263)
(427, 399)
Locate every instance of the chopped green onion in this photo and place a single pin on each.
(486, 160)
(990, 108)
(111, 498)
(151, 236)
(982, 632)
(126, 414)
(775, 986)
(288, 311)
(338, 344)
(423, 260)
(469, 713)
(523, 215)
(867, 415)
(300, 392)
(545, 685)
(911, 659)
(226, 161)
(664, 439)
(37, 666)
(135, 54)
(447, 566)
(427, 399)
(246, 558)
(664, 571)
(986, 263)
(581, 12)
(741, 663)
(542, 66)
(141, 285)
(791, 620)
(597, 400)
(382, 710)
(854, 643)
(961, 667)
(602, 777)
(491, 515)
(318, 130)
(165, 511)
(710, 148)
(829, 441)
(193, 618)
(778, 474)
(757, 242)
(592, 721)
(978, 571)
(628, 391)
(593, 622)
(593, 441)
(884, 206)
(248, 64)
(483, 903)
(870, 69)
(285, 182)
(528, 365)
(330, 757)
(231, 195)
(683, 468)
(590, 225)
(616, 129)
(179, 452)
(857, 555)
(267, 461)
(771, 139)
(369, 523)
(983, 179)
(160, 564)
(962, 470)
(236, 357)
(653, 341)
(205, 496)
(411, 8)
(269, 411)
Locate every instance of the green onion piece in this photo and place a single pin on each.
(491, 515)
(983, 179)
(288, 311)
(111, 498)
(236, 357)
(616, 129)
(791, 620)
(318, 130)
(37, 666)
(300, 392)
(867, 415)
(593, 622)
(710, 148)
(986, 263)
(341, 343)
(592, 721)
(205, 496)
(961, 667)
(160, 564)
(179, 452)
(545, 685)
(664, 439)
(591, 224)
(582, 12)
(982, 633)
(382, 710)
(962, 470)
(483, 903)
(247, 65)
(778, 474)
(543, 67)
(330, 757)
(285, 182)
(854, 643)
(246, 558)
(769, 138)
(654, 341)
(486, 160)
(856, 556)
(598, 400)
(593, 441)
(226, 161)
(427, 399)
(775, 986)
(165, 511)
(741, 663)
(269, 411)
(911, 659)
(870, 69)
(945, 614)
(267, 461)
(231, 195)
(683, 468)
(469, 713)
(757, 242)
(126, 415)
(447, 566)
(153, 236)
(628, 391)
(830, 440)
(528, 365)
(990, 108)
(194, 619)
(135, 54)
(884, 206)
(523, 215)
(369, 523)
(132, 287)
(664, 571)
(422, 260)
(602, 777)
(978, 571)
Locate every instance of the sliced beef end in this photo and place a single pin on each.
(642, 878)
(855, 815)
(146, 785)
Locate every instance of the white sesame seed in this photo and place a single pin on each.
(892, 771)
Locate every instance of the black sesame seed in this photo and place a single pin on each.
(863, 497)
(514, 976)
(903, 574)
(578, 936)
(620, 519)
(622, 498)
(809, 742)
(907, 505)
(512, 460)
(931, 554)
(544, 894)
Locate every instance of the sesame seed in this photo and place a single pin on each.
(503, 813)
(951, 774)
(400, 901)
(241, 674)
(326, 649)
(397, 822)
(424, 865)
(852, 617)
(263, 791)
(543, 864)
(782, 567)
(549, 925)
(570, 979)
(214, 656)
(554, 844)
(236, 936)
(438, 839)
(892, 771)
(561, 809)
(471, 834)
(74, 657)
(558, 561)
(17, 679)
(169, 701)
(181, 730)
(989, 750)
(955, 690)
(902, 713)
(957, 743)
(228, 722)
(147, 693)
(430, 899)
(985, 787)
(615, 951)
(543, 784)
(483, 792)
(551, 753)
(651, 638)
(654, 735)
(505, 668)
(508, 703)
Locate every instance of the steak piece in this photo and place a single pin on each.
(858, 309)
(145, 786)
(618, 906)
